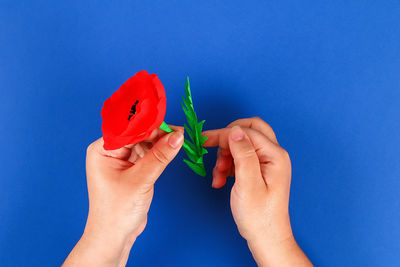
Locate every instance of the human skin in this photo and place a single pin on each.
(121, 186)
(249, 150)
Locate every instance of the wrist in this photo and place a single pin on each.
(269, 252)
(270, 233)
(107, 247)
(270, 245)
(102, 249)
(284, 252)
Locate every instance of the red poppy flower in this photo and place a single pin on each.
(133, 111)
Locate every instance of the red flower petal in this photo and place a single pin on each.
(121, 126)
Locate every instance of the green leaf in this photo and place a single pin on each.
(193, 128)
(187, 90)
(199, 127)
(189, 132)
(189, 147)
(189, 118)
(197, 168)
(193, 156)
(203, 139)
(187, 104)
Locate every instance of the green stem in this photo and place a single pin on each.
(167, 129)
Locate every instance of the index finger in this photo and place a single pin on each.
(263, 145)
(258, 124)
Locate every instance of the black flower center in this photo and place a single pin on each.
(133, 110)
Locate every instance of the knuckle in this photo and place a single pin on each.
(159, 156)
(261, 121)
(283, 161)
(248, 153)
(269, 128)
(235, 122)
(284, 154)
(94, 146)
(256, 118)
(90, 149)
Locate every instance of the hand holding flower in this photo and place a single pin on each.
(121, 185)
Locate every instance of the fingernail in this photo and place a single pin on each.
(237, 133)
(175, 140)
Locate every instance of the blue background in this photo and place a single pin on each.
(323, 74)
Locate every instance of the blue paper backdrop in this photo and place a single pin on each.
(324, 74)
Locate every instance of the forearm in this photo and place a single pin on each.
(282, 253)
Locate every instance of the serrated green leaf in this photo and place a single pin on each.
(184, 109)
(189, 132)
(189, 118)
(200, 124)
(191, 147)
(188, 105)
(193, 128)
(188, 112)
(188, 93)
(197, 168)
(193, 156)
(203, 139)
(199, 127)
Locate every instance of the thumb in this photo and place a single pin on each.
(247, 165)
(150, 167)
